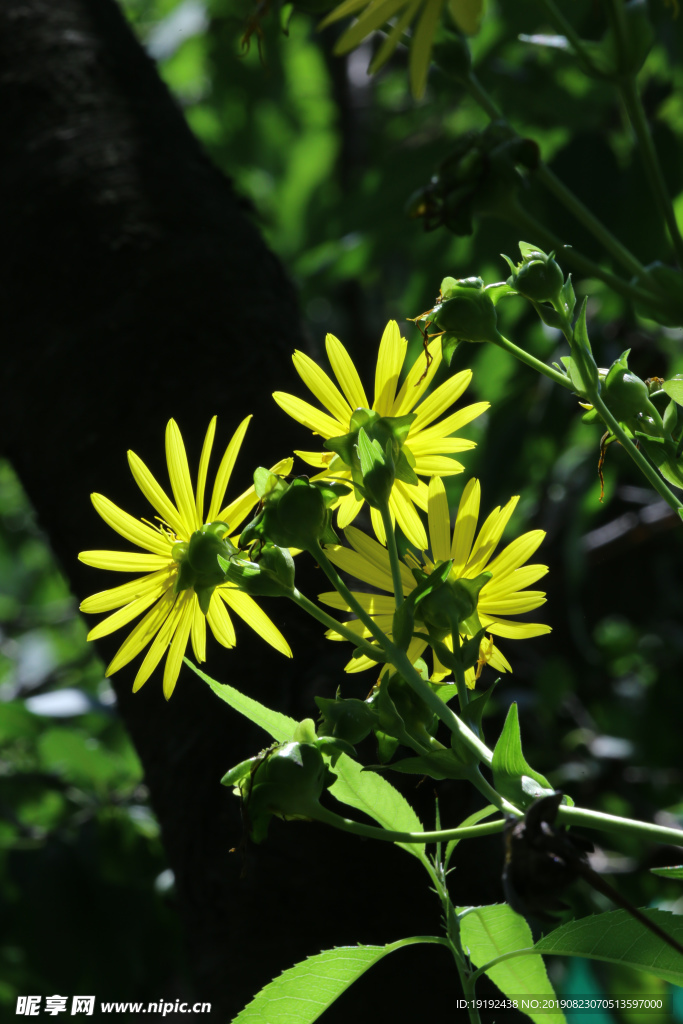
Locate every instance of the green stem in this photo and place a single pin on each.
(327, 620)
(650, 473)
(393, 553)
(572, 203)
(582, 214)
(459, 672)
(536, 230)
(612, 823)
(562, 25)
(454, 941)
(488, 792)
(533, 362)
(402, 664)
(634, 106)
(358, 828)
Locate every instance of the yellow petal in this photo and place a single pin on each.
(378, 524)
(116, 597)
(132, 529)
(517, 630)
(198, 633)
(447, 427)
(439, 465)
(421, 46)
(439, 521)
(372, 18)
(489, 536)
(220, 622)
(418, 379)
(443, 398)
(124, 561)
(321, 460)
(123, 616)
(346, 373)
(424, 449)
(392, 351)
(465, 525)
(378, 556)
(159, 644)
(514, 604)
(203, 469)
(156, 495)
(179, 643)
(342, 11)
(144, 631)
(306, 414)
(317, 381)
(347, 510)
(512, 581)
(516, 553)
(179, 472)
(248, 610)
(407, 518)
(417, 493)
(373, 604)
(393, 37)
(225, 470)
(359, 566)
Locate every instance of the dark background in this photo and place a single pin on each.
(172, 232)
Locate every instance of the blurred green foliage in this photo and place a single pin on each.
(328, 159)
(80, 854)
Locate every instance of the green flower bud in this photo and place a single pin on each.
(538, 277)
(466, 310)
(373, 451)
(350, 719)
(293, 515)
(451, 608)
(402, 713)
(628, 399)
(199, 567)
(286, 781)
(270, 575)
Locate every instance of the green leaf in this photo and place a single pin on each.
(672, 872)
(490, 932)
(438, 764)
(674, 389)
(584, 370)
(513, 777)
(302, 993)
(619, 939)
(370, 793)
(280, 727)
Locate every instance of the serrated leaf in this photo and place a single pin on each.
(672, 872)
(372, 794)
(302, 993)
(490, 932)
(279, 726)
(513, 777)
(618, 938)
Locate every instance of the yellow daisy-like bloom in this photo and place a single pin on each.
(175, 614)
(428, 444)
(503, 595)
(373, 14)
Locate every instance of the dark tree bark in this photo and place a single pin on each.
(138, 288)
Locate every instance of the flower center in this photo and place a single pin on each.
(198, 567)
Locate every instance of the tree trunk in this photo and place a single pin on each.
(139, 289)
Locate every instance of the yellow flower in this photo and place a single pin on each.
(175, 614)
(373, 14)
(428, 444)
(503, 595)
